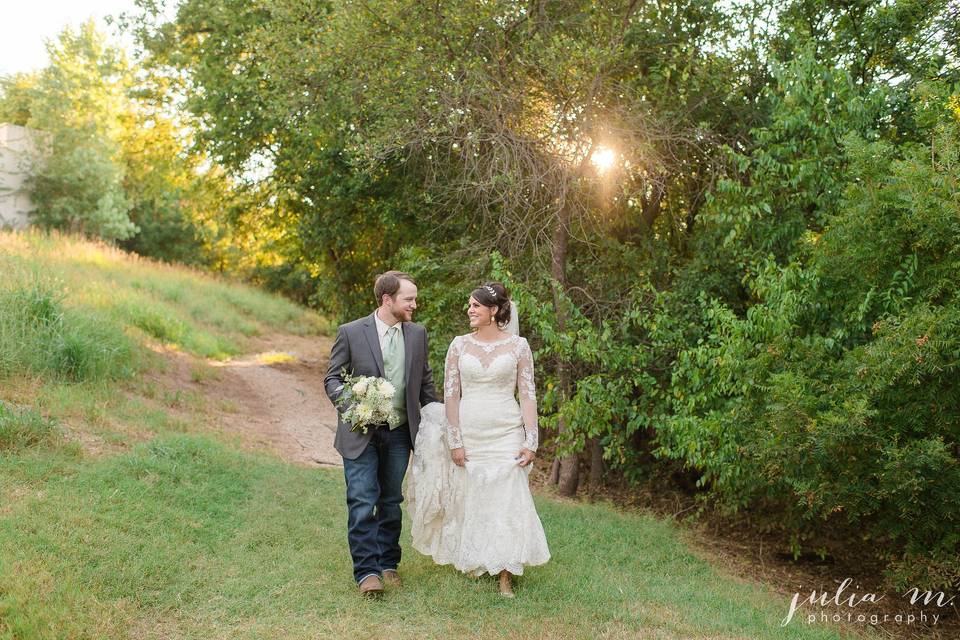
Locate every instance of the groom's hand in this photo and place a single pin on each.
(459, 456)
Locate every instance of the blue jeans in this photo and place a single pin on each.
(374, 493)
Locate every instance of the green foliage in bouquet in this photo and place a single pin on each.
(366, 401)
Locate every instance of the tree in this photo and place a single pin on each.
(502, 107)
(118, 164)
(407, 124)
(77, 179)
(249, 78)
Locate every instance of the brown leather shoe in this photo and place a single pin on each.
(371, 586)
(392, 578)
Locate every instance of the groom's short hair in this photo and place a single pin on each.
(388, 283)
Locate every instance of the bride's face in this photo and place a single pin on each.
(478, 314)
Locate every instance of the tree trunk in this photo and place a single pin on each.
(651, 207)
(568, 476)
(596, 464)
(569, 470)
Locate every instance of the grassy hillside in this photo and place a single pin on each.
(163, 530)
(82, 324)
(109, 300)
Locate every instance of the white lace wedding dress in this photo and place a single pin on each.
(481, 517)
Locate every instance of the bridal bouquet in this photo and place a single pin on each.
(365, 401)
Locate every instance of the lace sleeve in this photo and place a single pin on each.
(528, 394)
(451, 394)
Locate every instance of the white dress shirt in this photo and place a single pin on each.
(382, 328)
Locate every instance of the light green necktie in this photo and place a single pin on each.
(393, 356)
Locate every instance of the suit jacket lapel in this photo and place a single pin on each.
(407, 350)
(373, 338)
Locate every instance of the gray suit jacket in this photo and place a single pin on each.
(357, 349)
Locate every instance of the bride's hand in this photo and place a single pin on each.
(525, 457)
(459, 456)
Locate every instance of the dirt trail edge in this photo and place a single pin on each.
(277, 400)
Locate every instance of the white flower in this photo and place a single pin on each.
(360, 387)
(386, 389)
(364, 412)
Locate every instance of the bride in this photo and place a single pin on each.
(470, 501)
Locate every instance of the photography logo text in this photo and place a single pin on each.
(924, 607)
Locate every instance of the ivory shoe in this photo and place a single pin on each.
(506, 588)
(371, 586)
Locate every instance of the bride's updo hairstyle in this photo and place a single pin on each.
(494, 294)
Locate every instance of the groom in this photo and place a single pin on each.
(385, 344)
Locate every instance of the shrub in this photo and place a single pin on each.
(833, 398)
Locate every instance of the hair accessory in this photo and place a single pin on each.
(490, 290)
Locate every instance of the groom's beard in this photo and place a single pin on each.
(401, 315)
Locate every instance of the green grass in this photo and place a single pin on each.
(158, 531)
(79, 320)
(39, 335)
(81, 301)
(183, 537)
(24, 428)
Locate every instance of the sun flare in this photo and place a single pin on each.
(603, 158)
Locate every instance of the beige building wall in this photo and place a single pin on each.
(17, 148)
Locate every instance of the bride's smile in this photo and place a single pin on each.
(478, 314)
(483, 319)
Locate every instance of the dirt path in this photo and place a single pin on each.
(277, 398)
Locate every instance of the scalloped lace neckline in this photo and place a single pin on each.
(482, 344)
